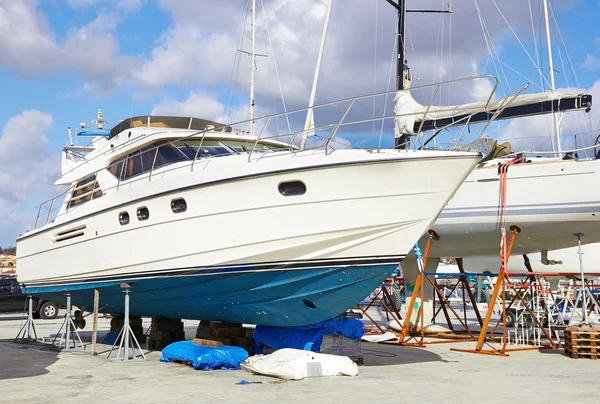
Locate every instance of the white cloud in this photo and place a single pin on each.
(27, 41)
(28, 46)
(187, 54)
(591, 63)
(128, 5)
(27, 172)
(195, 105)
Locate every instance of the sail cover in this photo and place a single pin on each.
(412, 117)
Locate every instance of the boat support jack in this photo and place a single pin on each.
(126, 338)
(25, 333)
(67, 331)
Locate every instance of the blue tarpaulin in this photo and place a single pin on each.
(303, 336)
(204, 357)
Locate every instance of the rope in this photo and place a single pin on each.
(503, 171)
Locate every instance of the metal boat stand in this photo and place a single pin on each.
(583, 294)
(420, 287)
(25, 333)
(126, 338)
(499, 292)
(67, 332)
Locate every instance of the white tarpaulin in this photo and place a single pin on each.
(296, 364)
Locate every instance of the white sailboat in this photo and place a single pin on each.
(549, 198)
(204, 221)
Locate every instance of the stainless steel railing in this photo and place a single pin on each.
(350, 107)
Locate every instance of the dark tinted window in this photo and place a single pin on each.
(167, 154)
(292, 188)
(86, 190)
(143, 213)
(134, 165)
(178, 205)
(141, 161)
(123, 218)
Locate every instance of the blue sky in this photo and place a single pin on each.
(61, 60)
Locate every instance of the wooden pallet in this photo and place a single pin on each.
(582, 348)
(582, 342)
(581, 354)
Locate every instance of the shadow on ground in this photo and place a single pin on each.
(13, 318)
(388, 354)
(25, 360)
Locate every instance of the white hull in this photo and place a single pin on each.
(549, 200)
(561, 262)
(357, 204)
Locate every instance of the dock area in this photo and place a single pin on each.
(391, 373)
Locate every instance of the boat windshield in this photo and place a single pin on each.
(210, 148)
(248, 146)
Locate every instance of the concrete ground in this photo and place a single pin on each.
(31, 373)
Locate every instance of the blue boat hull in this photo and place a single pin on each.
(277, 297)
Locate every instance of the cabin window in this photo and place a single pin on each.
(143, 213)
(142, 161)
(292, 188)
(85, 190)
(178, 205)
(123, 218)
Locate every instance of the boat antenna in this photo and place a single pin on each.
(70, 136)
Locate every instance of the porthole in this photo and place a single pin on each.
(143, 213)
(124, 218)
(178, 205)
(292, 188)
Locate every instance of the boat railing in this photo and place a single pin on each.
(521, 150)
(286, 140)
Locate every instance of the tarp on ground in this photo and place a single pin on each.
(308, 336)
(204, 357)
(294, 364)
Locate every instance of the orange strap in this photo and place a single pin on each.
(502, 200)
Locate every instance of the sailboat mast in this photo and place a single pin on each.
(252, 64)
(310, 117)
(401, 48)
(551, 67)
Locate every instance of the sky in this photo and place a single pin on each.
(62, 60)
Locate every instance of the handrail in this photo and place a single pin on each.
(333, 129)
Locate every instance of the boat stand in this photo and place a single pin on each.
(418, 289)
(25, 333)
(126, 338)
(500, 292)
(67, 332)
(393, 311)
(583, 294)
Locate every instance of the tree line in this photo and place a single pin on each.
(8, 250)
